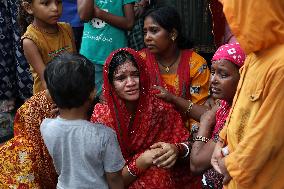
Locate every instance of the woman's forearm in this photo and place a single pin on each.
(127, 177)
(195, 111)
(201, 152)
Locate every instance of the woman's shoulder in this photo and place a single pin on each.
(144, 53)
(37, 104)
(197, 63)
(101, 114)
(101, 107)
(30, 115)
(193, 56)
(159, 105)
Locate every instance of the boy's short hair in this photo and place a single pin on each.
(70, 80)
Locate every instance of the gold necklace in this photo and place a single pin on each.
(167, 68)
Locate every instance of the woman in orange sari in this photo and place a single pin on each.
(25, 161)
(140, 119)
(180, 74)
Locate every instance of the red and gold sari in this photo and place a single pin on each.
(154, 121)
(24, 160)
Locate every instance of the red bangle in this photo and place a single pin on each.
(133, 169)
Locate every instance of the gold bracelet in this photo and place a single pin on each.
(189, 108)
(201, 138)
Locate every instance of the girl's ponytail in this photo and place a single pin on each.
(24, 19)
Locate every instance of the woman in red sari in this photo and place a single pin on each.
(140, 119)
(180, 74)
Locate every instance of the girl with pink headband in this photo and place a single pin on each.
(224, 80)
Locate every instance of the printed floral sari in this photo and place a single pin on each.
(24, 160)
(154, 121)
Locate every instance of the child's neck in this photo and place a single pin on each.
(44, 27)
(74, 113)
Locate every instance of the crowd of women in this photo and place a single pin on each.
(179, 123)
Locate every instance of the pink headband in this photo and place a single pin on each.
(231, 52)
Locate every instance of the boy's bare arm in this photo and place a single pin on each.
(115, 180)
(86, 9)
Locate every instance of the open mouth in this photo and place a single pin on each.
(215, 90)
(151, 46)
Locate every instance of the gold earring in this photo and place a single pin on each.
(173, 38)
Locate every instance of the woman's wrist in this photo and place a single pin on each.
(201, 139)
(141, 162)
(183, 149)
(204, 131)
(189, 107)
(134, 169)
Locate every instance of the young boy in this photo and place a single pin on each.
(85, 155)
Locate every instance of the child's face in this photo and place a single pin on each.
(126, 81)
(46, 11)
(224, 80)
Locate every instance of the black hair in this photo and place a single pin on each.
(24, 18)
(168, 18)
(118, 59)
(70, 79)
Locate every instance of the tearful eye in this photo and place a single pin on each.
(119, 78)
(224, 75)
(135, 74)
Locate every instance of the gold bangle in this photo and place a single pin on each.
(189, 108)
(201, 138)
